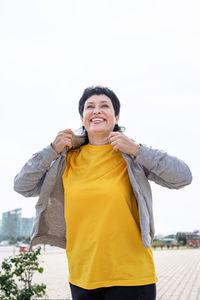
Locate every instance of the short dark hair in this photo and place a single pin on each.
(99, 90)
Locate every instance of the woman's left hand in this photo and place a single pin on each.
(122, 143)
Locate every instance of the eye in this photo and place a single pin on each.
(105, 105)
(89, 106)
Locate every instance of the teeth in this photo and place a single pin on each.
(96, 120)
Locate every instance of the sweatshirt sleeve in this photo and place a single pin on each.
(163, 169)
(29, 180)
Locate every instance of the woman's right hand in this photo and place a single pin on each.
(63, 139)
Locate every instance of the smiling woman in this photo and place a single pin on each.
(99, 118)
(95, 201)
(109, 102)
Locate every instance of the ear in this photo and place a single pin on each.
(81, 119)
(117, 119)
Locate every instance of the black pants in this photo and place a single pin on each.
(142, 292)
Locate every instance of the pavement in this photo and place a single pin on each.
(178, 274)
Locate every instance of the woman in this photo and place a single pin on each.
(96, 185)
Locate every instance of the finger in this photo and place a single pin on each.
(66, 131)
(114, 133)
(115, 145)
(67, 142)
(114, 142)
(64, 142)
(64, 135)
(114, 138)
(116, 148)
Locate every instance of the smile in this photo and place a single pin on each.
(97, 120)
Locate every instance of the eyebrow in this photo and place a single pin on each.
(102, 101)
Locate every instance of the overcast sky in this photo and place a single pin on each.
(148, 52)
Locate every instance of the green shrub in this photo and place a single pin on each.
(16, 277)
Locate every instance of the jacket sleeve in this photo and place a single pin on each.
(163, 168)
(29, 180)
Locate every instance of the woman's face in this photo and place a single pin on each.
(99, 115)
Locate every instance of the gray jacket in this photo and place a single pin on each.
(42, 176)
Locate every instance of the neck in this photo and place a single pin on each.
(98, 140)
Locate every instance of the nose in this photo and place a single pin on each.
(96, 110)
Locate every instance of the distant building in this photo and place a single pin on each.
(26, 227)
(192, 239)
(14, 226)
(10, 227)
(158, 237)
